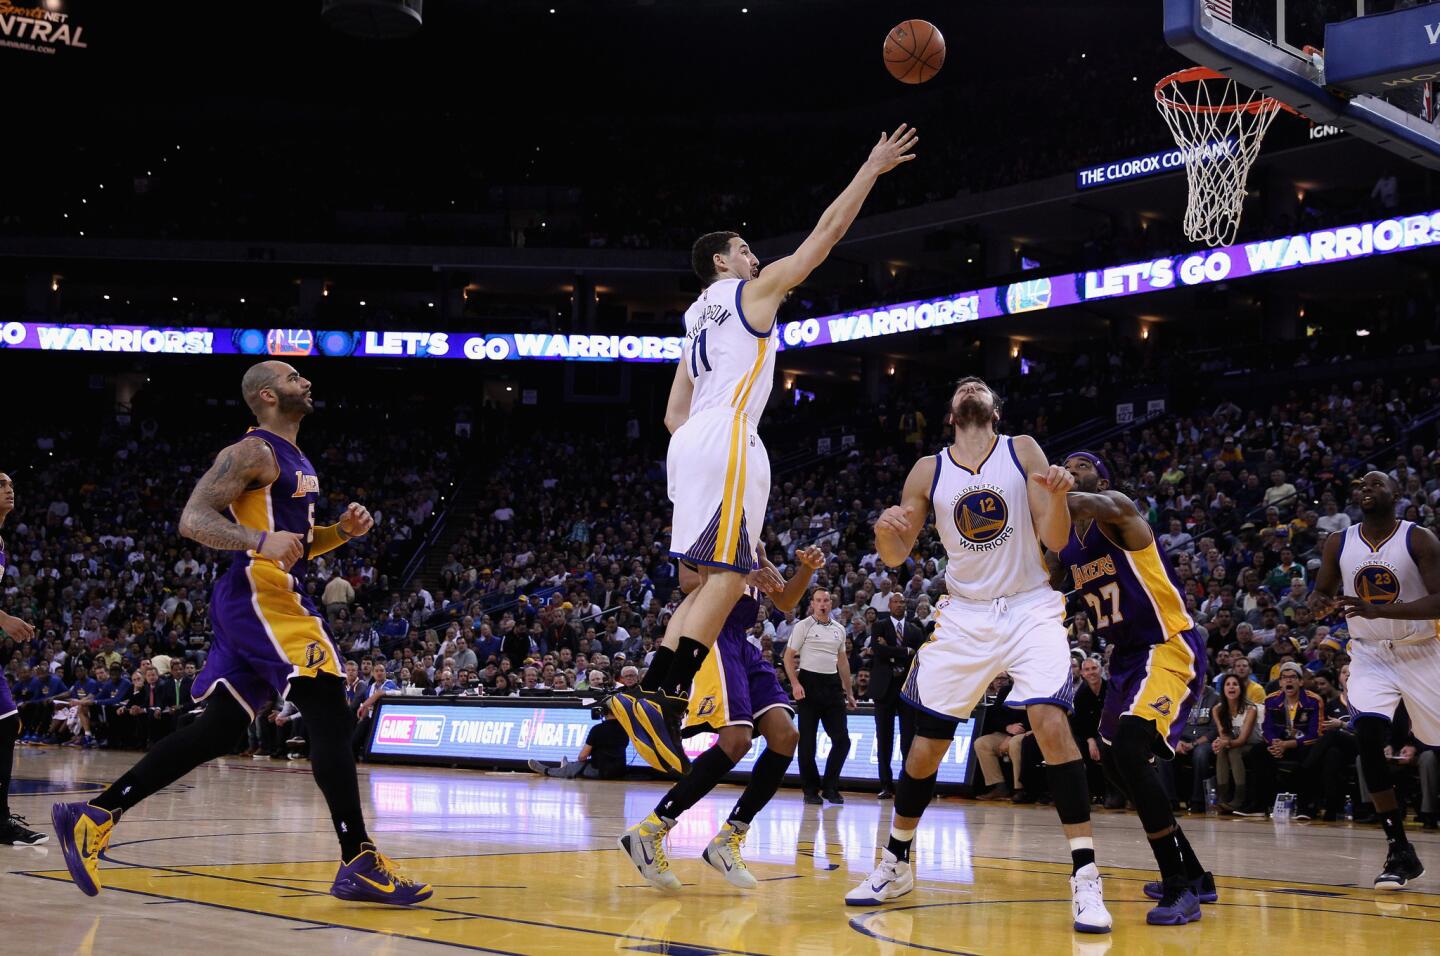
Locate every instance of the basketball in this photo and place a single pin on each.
(914, 51)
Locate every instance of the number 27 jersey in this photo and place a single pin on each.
(731, 364)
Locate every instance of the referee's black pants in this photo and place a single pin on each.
(824, 703)
(886, 710)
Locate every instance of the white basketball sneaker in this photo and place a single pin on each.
(644, 843)
(723, 854)
(891, 880)
(1087, 901)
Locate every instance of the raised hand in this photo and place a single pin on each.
(893, 150)
(1055, 479)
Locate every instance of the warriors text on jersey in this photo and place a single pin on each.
(731, 364)
(1383, 572)
(983, 516)
(717, 469)
(1133, 596)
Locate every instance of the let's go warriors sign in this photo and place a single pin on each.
(46, 27)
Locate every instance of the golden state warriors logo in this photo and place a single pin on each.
(314, 654)
(1377, 584)
(982, 517)
(707, 707)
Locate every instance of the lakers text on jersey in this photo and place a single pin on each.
(267, 630)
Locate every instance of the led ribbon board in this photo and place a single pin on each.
(1341, 244)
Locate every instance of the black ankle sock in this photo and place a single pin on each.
(765, 779)
(659, 668)
(1168, 857)
(684, 666)
(1193, 868)
(899, 847)
(1394, 823)
(1079, 859)
(705, 773)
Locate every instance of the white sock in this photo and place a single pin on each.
(1082, 843)
(903, 835)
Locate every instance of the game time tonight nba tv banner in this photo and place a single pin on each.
(486, 735)
(1341, 244)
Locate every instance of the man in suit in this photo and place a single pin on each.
(893, 642)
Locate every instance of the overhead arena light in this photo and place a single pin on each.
(373, 19)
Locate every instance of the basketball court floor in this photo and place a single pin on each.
(238, 856)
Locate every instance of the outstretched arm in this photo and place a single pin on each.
(898, 527)
(761, 298)
(811, 560)
(1115, 512)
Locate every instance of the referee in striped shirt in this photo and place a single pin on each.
(820, 680)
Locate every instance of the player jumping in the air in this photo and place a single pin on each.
(717, 468)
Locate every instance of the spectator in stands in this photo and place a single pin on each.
(380, 685)
(1237, 725)
(1194, 752)
(1291, 726)
(992, 741)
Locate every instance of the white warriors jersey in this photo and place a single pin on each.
(983, 517)
(1383, 572)
(731, 364)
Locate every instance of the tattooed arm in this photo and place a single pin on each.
(246, 464)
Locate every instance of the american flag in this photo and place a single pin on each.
(1220, 9)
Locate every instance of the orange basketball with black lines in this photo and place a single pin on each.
(914, 51)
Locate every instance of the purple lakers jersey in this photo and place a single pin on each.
(2, 562)
(286, 504)
(744, 614)
(1134, 597)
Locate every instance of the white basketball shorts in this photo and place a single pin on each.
(1382, 674)
(974, 641)
(719, 477)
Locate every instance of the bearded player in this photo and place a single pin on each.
(13, 831)
(717, 468)
(738, 696)
(258, 502)
(996, 501)
(1157, 669)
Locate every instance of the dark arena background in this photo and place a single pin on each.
(467, 225)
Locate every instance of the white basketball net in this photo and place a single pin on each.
(1219, 127)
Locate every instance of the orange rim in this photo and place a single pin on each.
(1199, 74)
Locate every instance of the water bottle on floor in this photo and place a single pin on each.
(1349, 808)
(1212, 799)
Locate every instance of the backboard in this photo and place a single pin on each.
(1271, 46)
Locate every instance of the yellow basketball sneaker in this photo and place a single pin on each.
(84, 832)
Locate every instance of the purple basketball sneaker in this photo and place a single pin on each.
(374, 878)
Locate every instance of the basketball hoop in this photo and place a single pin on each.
(1219, 128)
